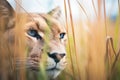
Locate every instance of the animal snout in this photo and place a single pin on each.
(56, 56)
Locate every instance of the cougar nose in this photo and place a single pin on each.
(57, 57)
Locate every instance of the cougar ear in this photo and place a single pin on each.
(6, 15)
(56, 12)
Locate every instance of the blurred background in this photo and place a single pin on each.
(46, 5)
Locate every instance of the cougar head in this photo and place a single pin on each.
(44, 34)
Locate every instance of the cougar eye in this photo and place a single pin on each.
(62, 35)
(34, 33)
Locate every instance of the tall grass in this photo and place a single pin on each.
(93, 50)
(87, 49)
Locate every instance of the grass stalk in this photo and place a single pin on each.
(66, 18)
(73, 33)
(94, 8)
(82, 9)
(104, 6)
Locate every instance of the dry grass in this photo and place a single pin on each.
(87, 46)
(92, 55)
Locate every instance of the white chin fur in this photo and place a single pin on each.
(51, 64)
(53, 74)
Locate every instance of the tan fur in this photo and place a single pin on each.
(49, 29)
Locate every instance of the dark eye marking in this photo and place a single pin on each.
(62, 35)
(34, 33)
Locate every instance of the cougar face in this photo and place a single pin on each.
(46, 31)
(44, 34)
